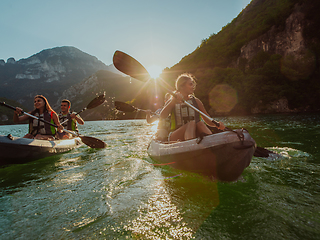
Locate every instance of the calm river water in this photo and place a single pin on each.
(118, 192)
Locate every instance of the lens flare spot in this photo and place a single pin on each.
(223, 98)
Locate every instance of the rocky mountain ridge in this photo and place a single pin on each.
(48, 72)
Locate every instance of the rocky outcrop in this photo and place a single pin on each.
(11, 61)
(285, 42)
(279, 106)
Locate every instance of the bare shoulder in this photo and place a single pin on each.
(54, 114)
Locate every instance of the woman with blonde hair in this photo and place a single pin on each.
(39, 129)
(186, 122)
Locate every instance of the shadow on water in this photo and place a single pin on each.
(14, 176)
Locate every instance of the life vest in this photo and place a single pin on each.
(71, 124)
(182, 114)
(39, 127)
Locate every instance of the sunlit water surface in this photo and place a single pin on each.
(118, 192)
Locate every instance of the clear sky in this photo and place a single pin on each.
(154, 32)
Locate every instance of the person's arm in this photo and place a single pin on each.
(17, 118)
(169, 105)
(56, 121)
(207, 121)
(77, 118)
(150, 118)
(167, 108)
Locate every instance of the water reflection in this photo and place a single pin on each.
(159, 218)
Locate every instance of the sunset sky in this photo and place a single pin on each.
(157, 33)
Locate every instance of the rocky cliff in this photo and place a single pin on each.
(293, 45)
(287, 41)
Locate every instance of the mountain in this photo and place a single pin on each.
(48, 72)
(265, 61)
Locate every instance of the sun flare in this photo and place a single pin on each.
(154, 71)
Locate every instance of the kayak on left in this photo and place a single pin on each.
(15, 150)
(43, 138)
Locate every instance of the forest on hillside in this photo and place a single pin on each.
(265, 78)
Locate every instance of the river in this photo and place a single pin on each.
(119, 193)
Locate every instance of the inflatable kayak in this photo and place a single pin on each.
(221, 156)
(21, 150)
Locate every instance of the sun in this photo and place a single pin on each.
(154, 71)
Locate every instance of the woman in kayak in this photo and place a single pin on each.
(185, 122)
(39, 129)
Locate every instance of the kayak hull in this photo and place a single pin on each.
(222, 156)
(15, 150)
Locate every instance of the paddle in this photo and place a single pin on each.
(89, 141)
(125, 107)
(94, 103)
(130, 66)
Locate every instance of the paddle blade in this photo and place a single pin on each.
(130, 66)
(262, 152)
(96, 102)
(93, 142)
(124, 107)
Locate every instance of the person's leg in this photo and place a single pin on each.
(63, 135)
(202, 128)
(44, 137)
(190, 131)
(162, 134)
(178, 134)
(185, 132)
(28, 135)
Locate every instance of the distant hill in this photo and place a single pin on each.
(266, 60)
(48, 72)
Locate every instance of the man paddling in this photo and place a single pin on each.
(67, 119)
